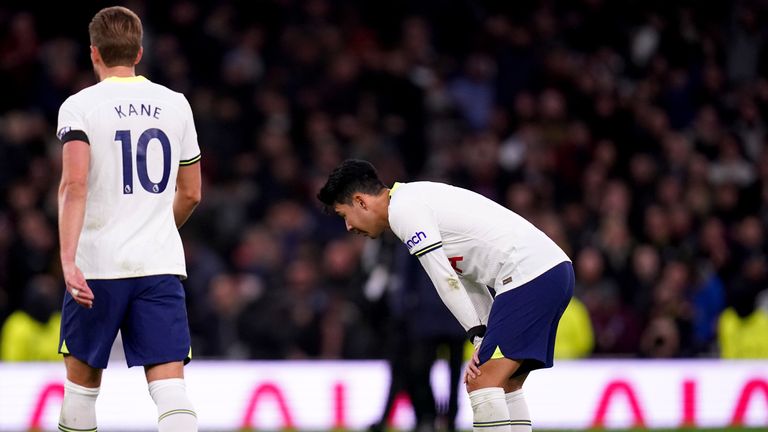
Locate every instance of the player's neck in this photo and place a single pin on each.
(117, 71)
(382, 209)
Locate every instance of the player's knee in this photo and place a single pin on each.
(482, 381)
(514, 384)
(80, 373)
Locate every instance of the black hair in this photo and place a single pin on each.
(352, 176)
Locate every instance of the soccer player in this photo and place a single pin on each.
(129, 179)
(467, 243)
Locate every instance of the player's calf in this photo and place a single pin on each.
(489, 409)
(78, 410)
(174, 409)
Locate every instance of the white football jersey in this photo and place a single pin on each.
(139, 134)
(465, 240)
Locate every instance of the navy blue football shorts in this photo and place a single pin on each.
(523, 321)
(149, 311)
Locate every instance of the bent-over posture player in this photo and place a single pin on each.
(468, 243)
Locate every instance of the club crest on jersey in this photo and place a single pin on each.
(416, 239)
(63, 131)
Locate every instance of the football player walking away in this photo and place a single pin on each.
(130, 179)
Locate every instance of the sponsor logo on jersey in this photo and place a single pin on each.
(415, 239)
(454, 261)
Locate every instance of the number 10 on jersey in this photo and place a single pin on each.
(124, 136)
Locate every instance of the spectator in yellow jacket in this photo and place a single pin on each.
(743, 327)
(575, 338)
(32, 333)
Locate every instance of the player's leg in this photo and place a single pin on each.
(520, 417)
(421, 357)
(167, 388)
(81, 388)
(456, 358)
(519, 339)
(486, 395)
(86, 339)
(156, 336)
(495, 373)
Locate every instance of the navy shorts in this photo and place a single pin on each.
(149, 311)
(523, 321)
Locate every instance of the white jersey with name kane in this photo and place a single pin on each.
(139, 134)
(465, 239)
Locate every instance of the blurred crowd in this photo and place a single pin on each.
(633, 133)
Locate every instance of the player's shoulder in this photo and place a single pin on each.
(82, 98)
(177, 98)
(422, 191)
(409, 198)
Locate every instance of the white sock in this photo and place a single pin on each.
(175, 411)
(78, 410)
(490, 410)
(520, 418)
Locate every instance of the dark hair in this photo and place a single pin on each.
(353, 175)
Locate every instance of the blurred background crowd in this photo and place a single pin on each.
(633, 133)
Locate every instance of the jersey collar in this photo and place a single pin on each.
(394, 188)
(137, 78)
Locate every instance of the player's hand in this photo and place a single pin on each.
(473, 367)
(77, 287)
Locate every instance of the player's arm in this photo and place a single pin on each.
(481, 299)
(73, 190)
(188, 192)
(465, 301)
(416, 225)
(188, 181)
(470, 310)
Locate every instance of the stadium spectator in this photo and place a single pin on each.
(32, 332)
(575, 338)
(639, 129)
(742, 326)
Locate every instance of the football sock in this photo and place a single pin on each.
(78, 410)
(490, 410)
(174, 409)
(520, 419)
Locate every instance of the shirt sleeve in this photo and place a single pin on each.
(455, 293)
(190, 149)
(71, 123)
(480, 297)
(415, 225)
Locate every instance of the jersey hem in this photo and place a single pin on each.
(500, 288)
(127, 275)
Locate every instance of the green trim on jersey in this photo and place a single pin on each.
(191, 160)
(137, 78)
(428, 249)
(394, 188)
